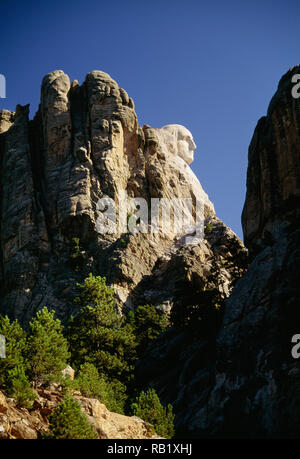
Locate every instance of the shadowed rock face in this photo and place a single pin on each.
(84, 144)
(257, 381)
(273, 182)
(245, 383)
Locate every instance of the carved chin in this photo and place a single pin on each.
(188, 156)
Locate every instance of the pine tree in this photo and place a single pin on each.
(15, 348)
(91, 384)
(19, 387)
(47, 347)
(68, 422)
(149, 408)
(99, 335)
(148, 323)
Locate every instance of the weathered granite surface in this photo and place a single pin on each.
(22, 423)
(85, 144)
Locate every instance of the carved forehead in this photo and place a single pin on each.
(178, 130)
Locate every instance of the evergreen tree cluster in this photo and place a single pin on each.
(100, 344)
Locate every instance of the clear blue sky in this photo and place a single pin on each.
(211, 66)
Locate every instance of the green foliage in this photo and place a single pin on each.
(91, 384)
(19, 387)
(147, 324)
(15, 348)
(47, 347)
(99, 335)
(149, 408)
(117, 395)
(208, 228)
(95, 292)
(68, 422)
(76, 247)
(76, 256)
(129, 214)
(67, 384)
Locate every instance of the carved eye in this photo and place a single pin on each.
(104, 125)
(116, 127)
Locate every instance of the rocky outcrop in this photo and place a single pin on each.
(21, 423)
(273, 184)
(85, 145)
(113, 425)
(256, 391)
(245, 383)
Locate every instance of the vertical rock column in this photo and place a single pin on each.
(56, 121)
(23, 232)
(273, 185)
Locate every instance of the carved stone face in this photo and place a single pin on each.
(183, 140)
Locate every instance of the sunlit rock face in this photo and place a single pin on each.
(179, 140)
(84, 144)
(21, 423)
(178, 145)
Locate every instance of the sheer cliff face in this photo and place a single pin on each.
(273, 184)
(257, 379)
(246, 383)
(83, 144)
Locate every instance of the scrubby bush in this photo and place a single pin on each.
(68, 422)
(149, 408)
(19, 387)
(208, 228)
(76, 255)
(91, 384)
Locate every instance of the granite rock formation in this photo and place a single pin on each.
(22, 423)
(85, 145)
